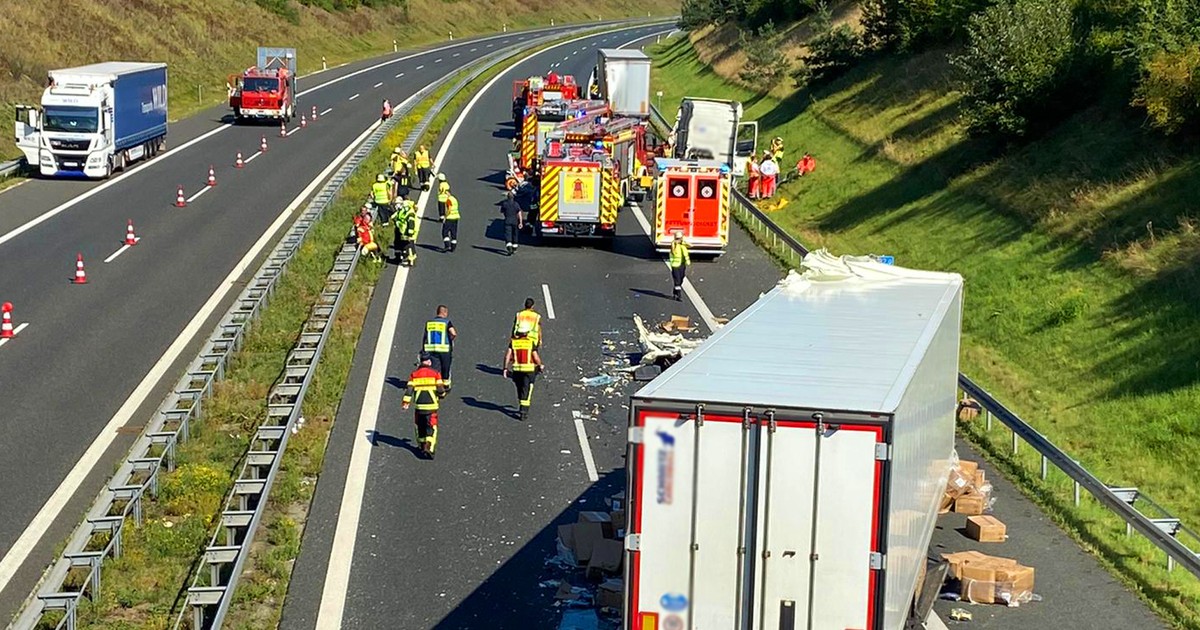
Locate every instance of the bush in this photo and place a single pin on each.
(831, 53)
(1017, 66)
(765, 62)
(1169, 89)
(912, 24)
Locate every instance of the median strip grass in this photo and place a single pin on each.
(1079, 315)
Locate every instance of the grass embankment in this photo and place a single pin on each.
(1079, 252)
(146, 587)
(204, 42)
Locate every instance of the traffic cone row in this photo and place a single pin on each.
(180, 202)
(80, 274)
(212, 176)
(239, 163)
(130, 238)
(6, 326)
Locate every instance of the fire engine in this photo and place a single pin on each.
(576, 188)
(266, 90)
(692, 197)
(536, 122)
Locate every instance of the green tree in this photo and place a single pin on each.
(910, 24)
(1017, 66)
(766, 64)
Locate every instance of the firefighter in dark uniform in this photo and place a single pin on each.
(425, 389)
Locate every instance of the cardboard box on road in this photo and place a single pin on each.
(986, 528)
(611, 594)
(580, 539)
(969, 504)
(601, 518)
(606, 558)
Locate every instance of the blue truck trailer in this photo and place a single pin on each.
(95, 120)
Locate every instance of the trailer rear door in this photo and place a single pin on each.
(816, 573)
(688, 566)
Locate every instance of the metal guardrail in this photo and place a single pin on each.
(222, 564)
(78, 569)
(12, 167)
(1160, 527)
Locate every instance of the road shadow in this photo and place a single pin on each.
(485, 405)
(650, 293)
(496, 178)
(491, 250)
(383, 439)
(489, 369)
(397, 382)
(513, 596)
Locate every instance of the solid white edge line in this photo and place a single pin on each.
(197, 195)
(122, 250)
(16, 331)
(49, 512)
(588, 461)
(549, 302)
(701, 307)
(327, 110)
(341, 553)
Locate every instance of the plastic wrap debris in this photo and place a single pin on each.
(598, 381)
(960, 614)
(985, 579)
(661, 348)
(580, 620)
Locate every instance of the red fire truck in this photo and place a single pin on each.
(266, 90)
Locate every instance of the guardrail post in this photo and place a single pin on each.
(1043, 467)
(988, 424)
(1014, 452)
(324, 66)
(395, 46)
(1076, 483)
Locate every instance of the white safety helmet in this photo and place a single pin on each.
(441, 177)
(524, 328)
(381, 177)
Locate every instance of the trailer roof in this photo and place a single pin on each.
(847, 335)
(110, 68)
(663, 164)
(624, 53)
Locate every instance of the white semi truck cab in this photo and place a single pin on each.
(94, 120)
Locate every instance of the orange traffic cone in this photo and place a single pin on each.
(212, 176)
(262, 146)
(314, 116)
(282, 130)
(303, 121)
(179, 200)
(130, 237)
(6, 327)
(239, 163)
(80, 274)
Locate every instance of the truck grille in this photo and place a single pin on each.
(71, 145)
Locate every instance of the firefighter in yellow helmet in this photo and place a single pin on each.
(522, 364)
(443, 193)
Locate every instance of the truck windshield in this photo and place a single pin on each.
(260, 84)
(71, 119)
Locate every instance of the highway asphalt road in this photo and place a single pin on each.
(464, 541)
(72, 370)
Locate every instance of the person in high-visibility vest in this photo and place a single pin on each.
(438, 341)
(381, 196)
(443, 191)
(450, 224)
(424, 389)
(532, 319)
(401, 172)
(522, 362)
(407, 253)
(679, 260)
(422, 162)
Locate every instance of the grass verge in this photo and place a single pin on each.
(1079, 252)
(146, 587)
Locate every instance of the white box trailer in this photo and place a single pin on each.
(786, 474)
